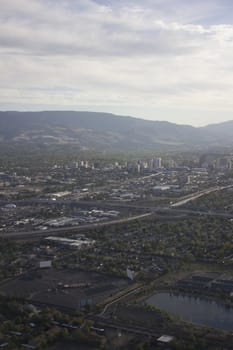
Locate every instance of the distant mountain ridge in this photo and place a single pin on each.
(105, 131)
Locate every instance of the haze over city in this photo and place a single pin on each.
(116, 174)
(158, 60)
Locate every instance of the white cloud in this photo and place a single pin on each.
(116, 56)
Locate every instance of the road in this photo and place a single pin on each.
(198, 195)
(57, 231)
(119, 299)
(113, 204)
(121, 327)
(64, 230)
(149, 176)
(171, 210)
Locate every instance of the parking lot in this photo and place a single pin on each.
(66, 289)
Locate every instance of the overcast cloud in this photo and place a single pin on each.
(156, 59)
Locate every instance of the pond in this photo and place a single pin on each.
(194, 309)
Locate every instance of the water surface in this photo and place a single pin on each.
(194, 309)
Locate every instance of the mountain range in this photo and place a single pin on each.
(105, 131)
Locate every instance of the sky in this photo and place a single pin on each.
(153, 59)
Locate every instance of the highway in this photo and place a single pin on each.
(170, 211)
(37, 234)
(56, 231)
(113, 204)
(198, 195)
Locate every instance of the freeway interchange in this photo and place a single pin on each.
(173, 209)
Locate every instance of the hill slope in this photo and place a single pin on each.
(104, 131)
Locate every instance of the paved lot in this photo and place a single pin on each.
(65, 288)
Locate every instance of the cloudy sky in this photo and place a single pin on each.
(155, 59)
